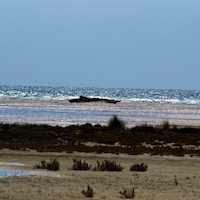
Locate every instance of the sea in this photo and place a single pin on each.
(50, 105)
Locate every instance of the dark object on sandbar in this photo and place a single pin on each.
(87, 99)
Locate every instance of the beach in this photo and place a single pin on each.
(167, 177)
(99, 100)
(158, 182)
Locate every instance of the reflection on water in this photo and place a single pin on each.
(13, 173)
(64, 114)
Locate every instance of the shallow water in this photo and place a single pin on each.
(13, 173)
(50, 105)
(63, 113)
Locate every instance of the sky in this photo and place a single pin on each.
(100, 43)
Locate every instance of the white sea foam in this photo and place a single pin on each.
(9, 163)
(123, 94)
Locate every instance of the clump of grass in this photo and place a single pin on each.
(139, 167)
(165, 125)
(79, 165)
(174, 127)
(42, 165)
(116, 124)
(175, 180)
(108, 166)
(128, 193)
(89, 192)
(52, 165)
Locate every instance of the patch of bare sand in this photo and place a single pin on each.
(157, 183)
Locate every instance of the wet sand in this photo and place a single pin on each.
(64, 113)
(157, 183)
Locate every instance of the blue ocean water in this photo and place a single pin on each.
(123, 94)
(50, 105)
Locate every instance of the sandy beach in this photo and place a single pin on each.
(157, 183)
(99, 96)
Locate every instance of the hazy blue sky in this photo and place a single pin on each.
(100, 43)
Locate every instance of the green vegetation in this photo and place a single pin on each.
(108, 166)
(160, 140)
(139, 167)
(52, 165)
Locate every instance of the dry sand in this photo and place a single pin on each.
(157, 183)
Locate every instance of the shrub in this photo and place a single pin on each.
(89, 192)
(139, 167)
(79, 165)
(116, 124)
(108, 166)
(128, 193)
(53, 165)
(175, 180)
(165, 125)
(40, 166)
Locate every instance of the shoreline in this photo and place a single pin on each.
(167, 177)
(63, 113)
(61, 102)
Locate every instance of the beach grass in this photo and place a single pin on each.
(79, 165)
(89, 192)
(108, 165)
(139, 167)
(52, 165)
